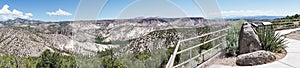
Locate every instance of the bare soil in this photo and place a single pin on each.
(228, 61)
(281, 54)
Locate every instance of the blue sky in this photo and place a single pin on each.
(259, 7)
(60, 10)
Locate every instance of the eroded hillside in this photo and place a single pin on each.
(31, 38)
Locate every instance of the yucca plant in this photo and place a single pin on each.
(271, 41)
(232, 38)
(232, 42)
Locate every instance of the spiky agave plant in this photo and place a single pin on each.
(270, 40)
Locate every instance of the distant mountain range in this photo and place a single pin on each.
(137, 20)
(253, 17)
(19, 21)
(140, 20)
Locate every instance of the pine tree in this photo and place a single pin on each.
(45, 61)
(296, 16)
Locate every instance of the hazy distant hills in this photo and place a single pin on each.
(253, 17)
(147, 20)
(19, 21)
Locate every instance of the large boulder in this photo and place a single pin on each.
(255, 58)
(248, 40)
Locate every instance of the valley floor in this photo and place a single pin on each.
(291, 60)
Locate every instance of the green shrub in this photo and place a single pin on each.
(99, 40)
(48, 59)
(206, 46)
(29, 62)
(7, 61)
(55, 60)
(232, 42)
(105, 53)
(142, 56)
(232, 38)
(109, 62)
(271, 41)
(169, 52)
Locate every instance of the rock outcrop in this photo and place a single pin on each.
(78, 37)
(248, 40)
(255, 58)
(21, 42)
(163, 39)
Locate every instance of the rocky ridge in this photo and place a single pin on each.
(78, 37)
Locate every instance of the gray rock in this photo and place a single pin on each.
(255, 58)
(31, 38)
(248, 40)
(22, 42)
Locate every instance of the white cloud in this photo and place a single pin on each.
(6, 14)
(259, 12)
(59, 12)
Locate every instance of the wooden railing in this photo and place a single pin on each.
(279, 26)
(170, 63)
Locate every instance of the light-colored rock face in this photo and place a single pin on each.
(164, 38)
(25, 43)
(255, 58)
(78, 37)
(248, 40)
(20, 42)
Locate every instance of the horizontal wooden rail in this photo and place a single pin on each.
(173, 56)
(203, 35)
(212, 48)
(200, 44)
(197, 56)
